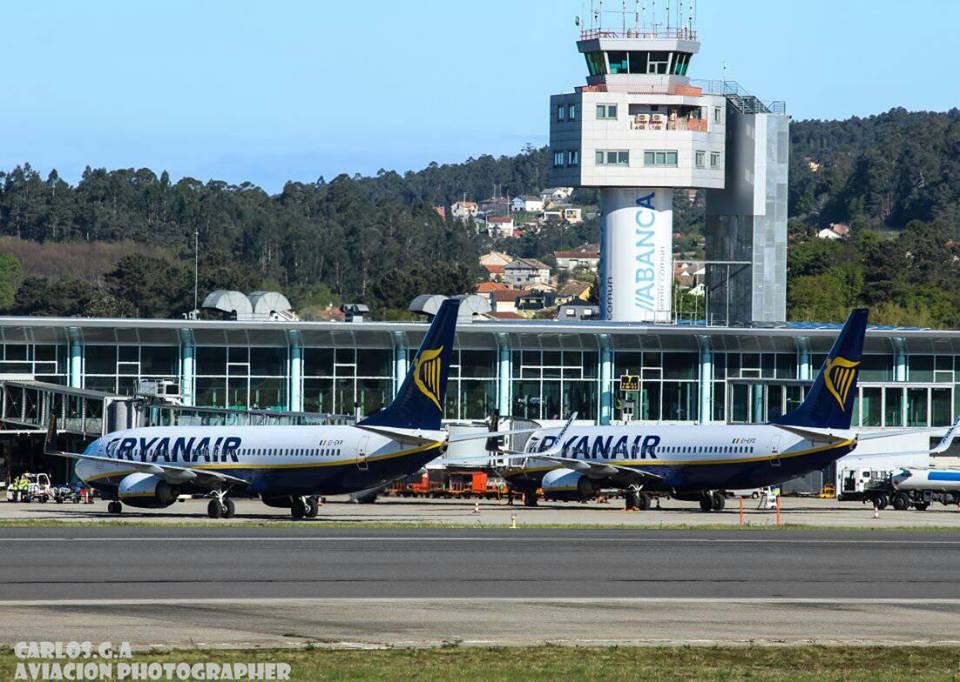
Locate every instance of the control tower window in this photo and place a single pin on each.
(658, 62)
(681, 60)
(619, 63)
(638, 62)
(606, 112)
(596, 64)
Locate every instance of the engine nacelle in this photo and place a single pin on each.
(568, 485)
(147, 491)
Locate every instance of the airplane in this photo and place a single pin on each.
(697, 463)
(286, 466)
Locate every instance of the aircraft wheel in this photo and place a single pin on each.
(215, 509)
(901, 501)
(114, 507)
(312, 507)
(229, 508)
(298, 508)
(643, 501)
(530, 499)
(718, 501)
(706, 502)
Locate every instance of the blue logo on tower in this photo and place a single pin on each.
(645, 274)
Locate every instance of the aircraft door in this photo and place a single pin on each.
(775, 451)
(362, 449)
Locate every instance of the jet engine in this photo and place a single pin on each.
(568, 485)
(147, 491)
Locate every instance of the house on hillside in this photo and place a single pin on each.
(500, 226)
(494, 272)
(524, 272)
(495, 206)
(586, 257)
(505, 301)
(573, 215)
(462, 210)
(574, 291)
(485, 288)
(527, 204)
(556, 195)
(495, 258)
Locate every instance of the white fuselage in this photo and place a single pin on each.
(273, 459)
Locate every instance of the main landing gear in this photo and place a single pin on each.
(305, 507)
(114, 507)
(221, 506)
(635, 500)
(712, 501)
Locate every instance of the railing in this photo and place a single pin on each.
(639, 34)
(739, 97)
(660, 122)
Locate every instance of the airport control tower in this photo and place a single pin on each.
(639, 130)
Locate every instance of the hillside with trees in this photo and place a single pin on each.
(120, 242)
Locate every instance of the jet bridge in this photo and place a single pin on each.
(84, 415)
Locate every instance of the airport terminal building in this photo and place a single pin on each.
(540, 370)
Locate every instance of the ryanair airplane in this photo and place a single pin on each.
(698, 463)
(287, 466)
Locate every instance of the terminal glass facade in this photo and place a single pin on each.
(528, 370)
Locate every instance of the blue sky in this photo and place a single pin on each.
(266, 92)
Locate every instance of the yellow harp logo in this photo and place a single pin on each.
(838, 378)
(427, 374)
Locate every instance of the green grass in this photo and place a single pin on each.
(783, 663)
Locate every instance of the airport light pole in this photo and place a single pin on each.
(196, 267)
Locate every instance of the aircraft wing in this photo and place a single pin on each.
(597, 469)
(488, 434)
(170, 473)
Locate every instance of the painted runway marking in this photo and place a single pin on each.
(889, 542)
(538, 602)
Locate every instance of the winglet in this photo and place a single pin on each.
(947, 439)
(558, 444)
(50, 440)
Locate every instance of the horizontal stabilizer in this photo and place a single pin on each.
(816, 435)
(413, 437)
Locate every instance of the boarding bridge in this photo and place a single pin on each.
(26, 407)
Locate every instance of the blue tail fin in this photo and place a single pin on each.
(419, 403)
(829, 402)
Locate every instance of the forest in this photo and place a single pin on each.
(121, 242)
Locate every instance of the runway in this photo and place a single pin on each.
(242, 586)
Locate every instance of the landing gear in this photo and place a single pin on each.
(636, 500)
(114, 507)
(312, 507)
(221, 506)
(216, 508)
(530, 498)
(298, 508)
(719, 501)
(712, 501)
